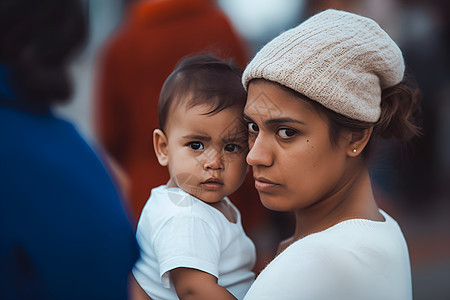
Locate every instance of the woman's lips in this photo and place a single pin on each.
(264, 185)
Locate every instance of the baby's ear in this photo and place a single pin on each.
(161, 147)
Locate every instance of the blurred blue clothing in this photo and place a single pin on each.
(64, 233)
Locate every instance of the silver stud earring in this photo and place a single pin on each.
(354, 150)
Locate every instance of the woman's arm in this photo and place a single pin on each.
(196, 284)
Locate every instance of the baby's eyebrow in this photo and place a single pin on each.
(235, 134)
(238, 138)
(197, 137)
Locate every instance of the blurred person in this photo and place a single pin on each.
(64, 233)
(192, 242)
(332, 87)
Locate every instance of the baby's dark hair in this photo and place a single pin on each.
(202, 80)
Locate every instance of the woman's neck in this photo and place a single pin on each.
(354, 200)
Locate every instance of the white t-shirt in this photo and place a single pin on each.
(178, 230)
(353, 260)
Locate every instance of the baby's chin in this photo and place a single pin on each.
(209, 196)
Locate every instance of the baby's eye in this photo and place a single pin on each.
(286, 133)
(196, 146)
(252, 127)
(232, 148)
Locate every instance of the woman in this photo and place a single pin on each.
(318, 95)
(63, 230)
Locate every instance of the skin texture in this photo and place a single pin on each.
(135, 292)
(295, 166)
(198, 285)
(205, 155)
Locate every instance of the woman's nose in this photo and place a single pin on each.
(260, 153)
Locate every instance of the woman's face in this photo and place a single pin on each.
(294, 163)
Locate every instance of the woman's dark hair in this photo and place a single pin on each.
(399, 120)
(199, 80)
(37, 41)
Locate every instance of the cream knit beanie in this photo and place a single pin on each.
(339, 59)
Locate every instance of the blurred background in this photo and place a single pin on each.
(412, 182)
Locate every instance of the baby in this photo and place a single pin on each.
(191, 237)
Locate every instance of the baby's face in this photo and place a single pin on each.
(206, 153)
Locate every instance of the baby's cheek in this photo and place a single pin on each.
(237, 170)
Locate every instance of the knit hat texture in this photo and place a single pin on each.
(339, 59)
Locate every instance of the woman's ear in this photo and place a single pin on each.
(161, 147)
(358, 141)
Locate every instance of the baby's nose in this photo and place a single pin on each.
(213, 160)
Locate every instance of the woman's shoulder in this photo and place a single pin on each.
(355, 231)
(346, 258)
(353, 242)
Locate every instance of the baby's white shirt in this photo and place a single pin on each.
(176, 229)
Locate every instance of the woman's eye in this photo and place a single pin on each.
(196, 146)
(232, 148)
(286, 133)
(252, 127)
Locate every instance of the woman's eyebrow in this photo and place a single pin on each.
(277, 120)
(283, 120)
